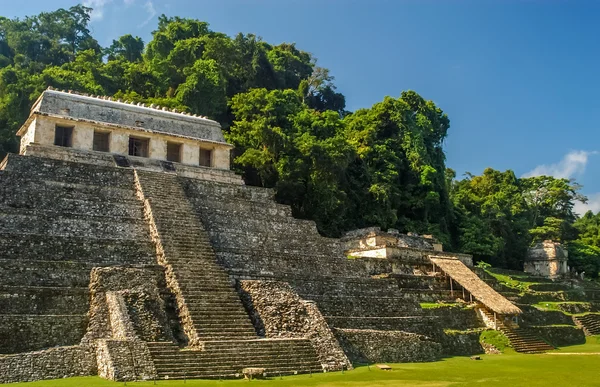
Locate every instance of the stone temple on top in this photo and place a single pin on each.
(130, 250)
(147, 135)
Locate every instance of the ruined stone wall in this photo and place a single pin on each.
(278, 312)
(455, 317)
(28, 136)
(547, 258)
(54, 363)
(21, 333)
(369, 346)
(127, 305)
(461, 343)
(255, 236)
(560, 335)
(124, 360)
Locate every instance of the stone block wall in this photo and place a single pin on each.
(54, 363)
(455, 317)
(369, 346)
(124, 360)
(560, 335)
(278, 312)
(126, 304)
(21, 333)
(462, 343)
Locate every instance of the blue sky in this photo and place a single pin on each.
(518, 79)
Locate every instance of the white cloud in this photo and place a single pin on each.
(98, 8)
(149, 6)
(593, 204)
(573, 164)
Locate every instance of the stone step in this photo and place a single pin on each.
(207, 293)
(75, 248)
(236, 375)
(73, 226)
(33, 300)
(194, 363)
(236, 365)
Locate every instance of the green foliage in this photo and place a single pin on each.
(127, 48)
(584, 258)
(397, 178)
(492, 217)
(495, 338)
(588, 227)
(483, 265)
(500, 215)
(282, 143)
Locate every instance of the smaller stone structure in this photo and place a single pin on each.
(548, 259)
(372, 242)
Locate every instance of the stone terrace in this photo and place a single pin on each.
(58, 220)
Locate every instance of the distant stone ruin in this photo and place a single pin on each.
(132, 252)
(547, 259)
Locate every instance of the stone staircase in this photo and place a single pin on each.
(208, 304)
(226, 359)
(521, 339)
(221, 337)
(590, 323)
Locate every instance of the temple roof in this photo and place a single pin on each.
(481, 291)
(102, 109)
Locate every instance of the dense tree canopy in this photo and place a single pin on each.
(381, 166)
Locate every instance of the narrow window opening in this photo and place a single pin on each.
(63, 136)
(173, 152)
(205, 157)
(101, 141)
(138, 147)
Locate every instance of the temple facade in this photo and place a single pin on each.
(61, 121)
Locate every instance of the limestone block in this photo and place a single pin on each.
(44, 131)
(190, 153)
(28, 136)
(119, 142)
(221, 158)
(83, 137)
(158, 148)
(54, 363)
(122, 360)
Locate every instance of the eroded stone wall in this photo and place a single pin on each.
(369, 346)
(54, 363)
(278, 312)
(127, 304)
(124, 360)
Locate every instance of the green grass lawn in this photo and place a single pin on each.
(508, 369)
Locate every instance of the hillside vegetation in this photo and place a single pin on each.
(380, 166)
